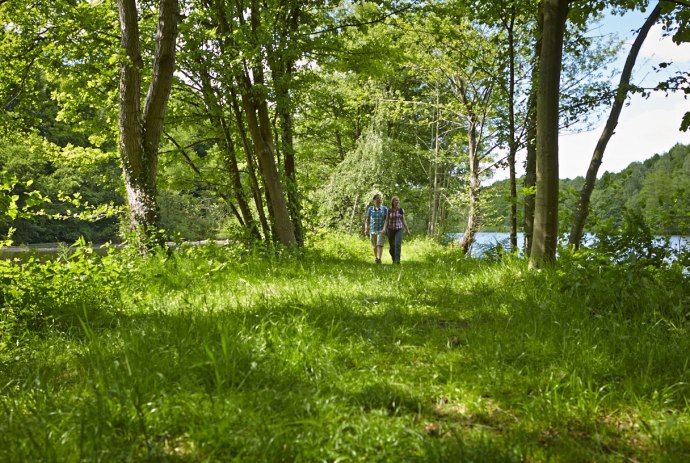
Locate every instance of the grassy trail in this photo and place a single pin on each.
(222, 354)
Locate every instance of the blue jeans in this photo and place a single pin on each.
(395, 238)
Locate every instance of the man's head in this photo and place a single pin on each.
(377, 199)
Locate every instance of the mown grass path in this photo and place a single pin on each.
(222, 354)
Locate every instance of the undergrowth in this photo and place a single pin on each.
(234, 353)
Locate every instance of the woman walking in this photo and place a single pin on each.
(393, 226)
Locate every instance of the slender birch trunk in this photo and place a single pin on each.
(582, 212)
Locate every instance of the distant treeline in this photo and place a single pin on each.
(656, 191)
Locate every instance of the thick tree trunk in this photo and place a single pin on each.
(545, 243)
(288, 148)
(141, 193)
(257, 117)
(582, 212)
(162, 78)
(140, 133)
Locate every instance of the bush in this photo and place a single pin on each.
(629, 270)
(59, 294)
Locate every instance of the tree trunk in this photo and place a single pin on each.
(582, 212)
(288, 148)
(217, 117)
(435, 181)
(258, 121)
(282, 64)
(513, 143)
(473, 190)
(251, 169)
(140, 133)
(257, 118)
(530, 182)
(230, 160)
(218, 120)
(545, 243)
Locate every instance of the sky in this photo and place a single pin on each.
(646, 126)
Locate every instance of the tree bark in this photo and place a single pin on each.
(217, 119)
(230, 92)
(140, 133)
(545, 243)
(258, 121)
(282, 65)
(513, 143)
(473, 189)
(530, 182)
(257, 118)
(251, 168)
(287, 143)
(582, 212)
(217, 116)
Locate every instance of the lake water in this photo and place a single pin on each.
(484, 241)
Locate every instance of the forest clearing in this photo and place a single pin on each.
(250, 164)
(230, 354)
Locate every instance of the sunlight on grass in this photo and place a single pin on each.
(219, 354)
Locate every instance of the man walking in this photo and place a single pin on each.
(373, 226)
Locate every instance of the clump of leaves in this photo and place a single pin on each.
(628, 269)
(58, 294)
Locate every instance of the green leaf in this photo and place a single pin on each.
(685, 124)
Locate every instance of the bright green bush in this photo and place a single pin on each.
(57, 295)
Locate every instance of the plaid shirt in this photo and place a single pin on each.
(395, 219)
(376, 216)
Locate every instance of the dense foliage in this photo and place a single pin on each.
(656, 190)
(285, 116)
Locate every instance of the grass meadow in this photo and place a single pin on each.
(224, 354)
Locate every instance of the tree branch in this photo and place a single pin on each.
(380, 19)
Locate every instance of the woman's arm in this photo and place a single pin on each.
(405, 225)
(385, 222)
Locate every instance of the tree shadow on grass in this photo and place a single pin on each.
(278, 356)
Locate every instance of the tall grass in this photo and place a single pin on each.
(238, 354)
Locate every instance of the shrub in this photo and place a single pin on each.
(60, 293)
